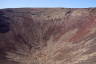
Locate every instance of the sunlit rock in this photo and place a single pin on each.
(48, 36)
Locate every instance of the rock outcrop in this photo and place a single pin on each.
(48, 36)
(4, 24)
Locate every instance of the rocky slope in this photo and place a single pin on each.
(48, 36)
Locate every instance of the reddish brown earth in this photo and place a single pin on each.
(49, 36)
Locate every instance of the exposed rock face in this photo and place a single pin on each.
(4, 24)
(48, 36)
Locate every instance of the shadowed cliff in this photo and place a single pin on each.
(48, 36)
